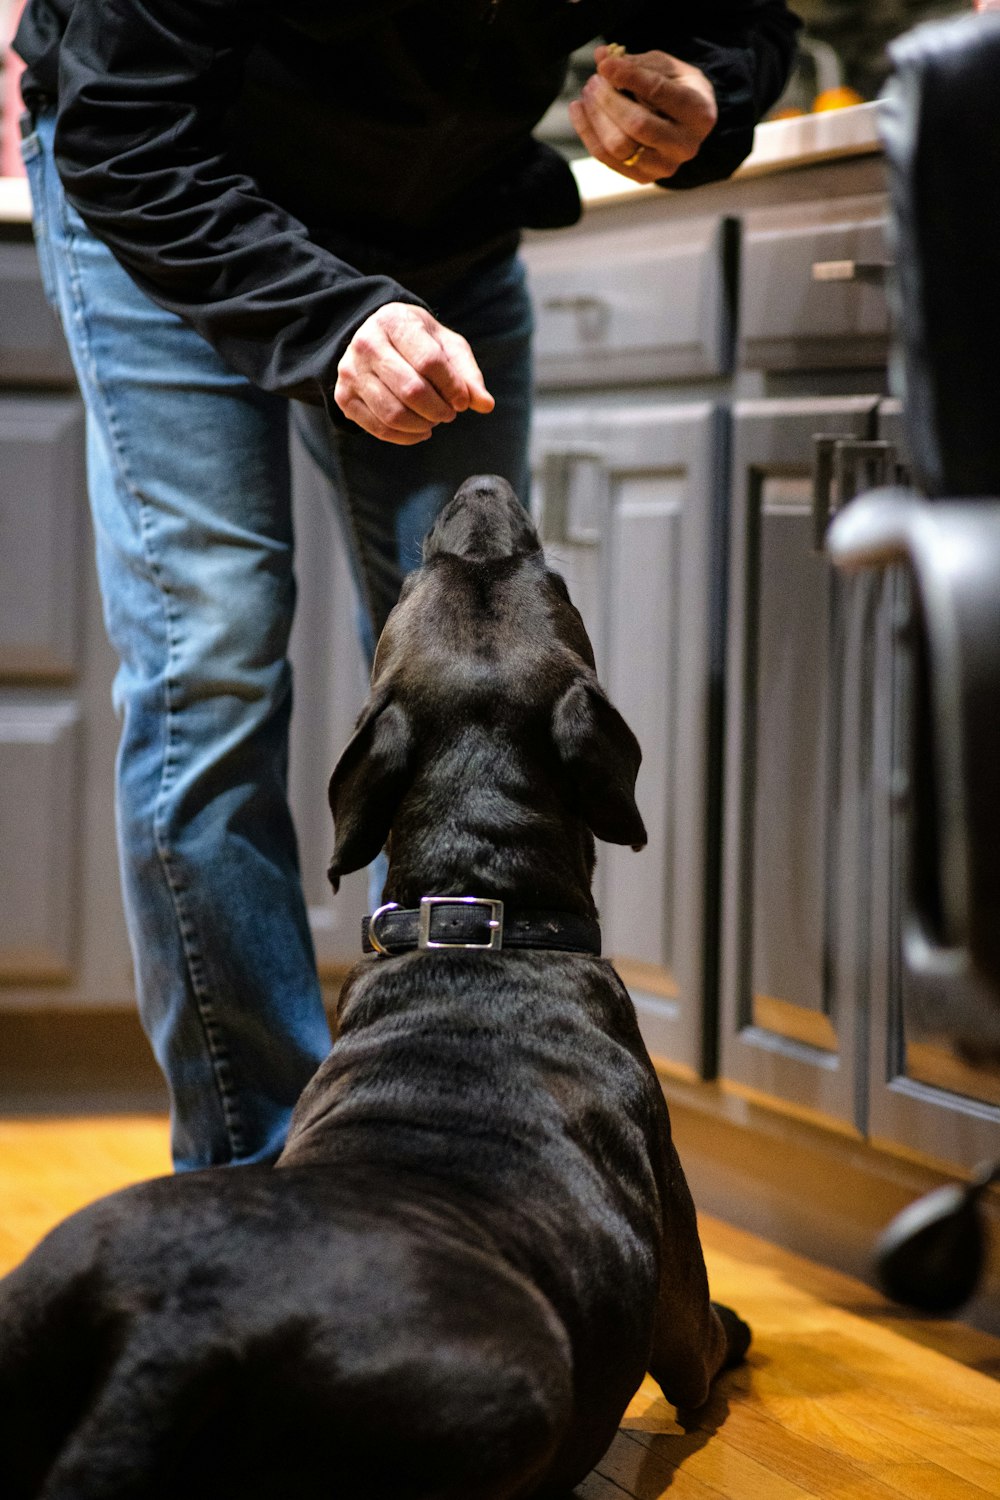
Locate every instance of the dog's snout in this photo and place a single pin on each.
(483, 521)
(488, 487)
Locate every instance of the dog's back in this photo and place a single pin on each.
(516, 1088)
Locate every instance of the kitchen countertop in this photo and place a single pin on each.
(15, 205)
(780, 146)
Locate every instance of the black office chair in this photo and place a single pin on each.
(940, 122)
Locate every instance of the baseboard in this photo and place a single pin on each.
(77, 1062)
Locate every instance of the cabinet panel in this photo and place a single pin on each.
(791, 795)
(32, 348)
(41, 458)
(643, 658)
(796, 775)
(39, 852)
(639, 308)
(812, 288)
(629, 505)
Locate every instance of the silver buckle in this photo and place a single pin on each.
(495, 924)
(372, 934)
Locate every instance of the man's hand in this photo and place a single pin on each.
(403, 373)
(649, 135)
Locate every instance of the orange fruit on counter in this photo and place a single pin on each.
(838, 98)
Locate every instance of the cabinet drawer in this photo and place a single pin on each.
(812, 286)
(32, 348)
(634, 306)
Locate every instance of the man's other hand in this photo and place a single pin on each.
(645, 113)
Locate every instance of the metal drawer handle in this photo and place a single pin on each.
(872, 271)
(845, 465)
(579, 303)
(592, 314)
(555, 523)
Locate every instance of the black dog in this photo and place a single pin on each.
(479, 1236)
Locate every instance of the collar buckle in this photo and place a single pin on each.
(495, 924)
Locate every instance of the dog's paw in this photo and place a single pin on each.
(738, 1335)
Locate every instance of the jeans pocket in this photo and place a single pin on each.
(33, 157)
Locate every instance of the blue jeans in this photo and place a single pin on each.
(188, 474)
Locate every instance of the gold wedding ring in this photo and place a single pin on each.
(630, 161)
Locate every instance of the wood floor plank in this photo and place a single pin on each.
(740, 1252)
(646, 1476)
(861, 1422)
(646, 1471)
(817, 1468)
(51, 1167)
(845, 1371)
(597, 1487)
(928, 1482)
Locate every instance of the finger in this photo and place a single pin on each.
(357, 409)
(360, 388)
(581, 122)
(359, 378)
(629, 122)
(464, 360)
(670, 88)
(414, 392)
(621, 123)
(583, 125)
(614, 143)
(607, 144)
(426, 353)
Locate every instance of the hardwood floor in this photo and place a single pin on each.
(843, 1398)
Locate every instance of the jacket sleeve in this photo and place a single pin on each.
(143, 90)
(744, 47)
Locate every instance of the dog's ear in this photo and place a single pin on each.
(601, 756)
(368, 783)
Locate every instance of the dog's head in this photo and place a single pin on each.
(487, 755)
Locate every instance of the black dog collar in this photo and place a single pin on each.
(475, 922)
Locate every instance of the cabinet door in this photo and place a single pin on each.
(796, 778)
(924, 1099)
(629, 503)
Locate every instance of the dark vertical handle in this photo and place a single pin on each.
(843, 467)
(951, 928)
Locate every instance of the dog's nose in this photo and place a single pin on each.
(484, 520)
(486, 487)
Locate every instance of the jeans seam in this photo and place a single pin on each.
(217, 1051)
(35, 171)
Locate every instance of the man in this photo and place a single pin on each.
(242, 207)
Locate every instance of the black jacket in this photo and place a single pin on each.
(275, 170)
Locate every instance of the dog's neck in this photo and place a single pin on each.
(483, 828)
